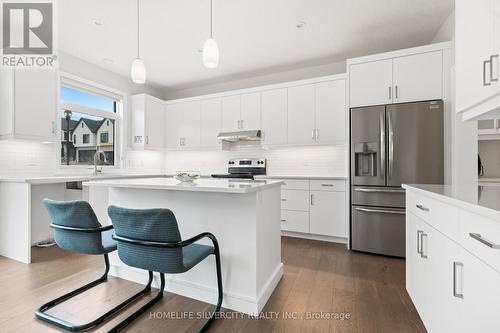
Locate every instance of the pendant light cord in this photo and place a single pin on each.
(138, 54)
(211, 19)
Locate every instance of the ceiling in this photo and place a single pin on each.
(253, 35)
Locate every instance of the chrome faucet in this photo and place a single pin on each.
(96, 158)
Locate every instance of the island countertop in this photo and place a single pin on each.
(199, 185)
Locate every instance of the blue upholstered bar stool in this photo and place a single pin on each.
(150, 239)
(77, 229)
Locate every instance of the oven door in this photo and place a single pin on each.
(378, 230)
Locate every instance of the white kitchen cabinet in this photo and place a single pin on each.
(148, 119)
(327, 213)
(29, 104)
(397, 77)
(330, 112)
(250, 111)
(418, 77)
(371, 83)
(301, 109)
(183, 125)
(295, 221)
(211, 122)
(231, 113)
(274, 117)
(476, 52)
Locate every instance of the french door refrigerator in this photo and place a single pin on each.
(391, 145)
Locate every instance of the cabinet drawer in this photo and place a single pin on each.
(439, 215)
(294, 221)
(328, 185)
(295, 200)
(485, 241)
(294, 184)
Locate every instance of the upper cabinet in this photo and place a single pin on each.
(241, 112)
(211, 122)
(28, 100)
(316, 113)
(148, 114)
(396, 78)
(274, 117)
(183, 124)
(477, 48)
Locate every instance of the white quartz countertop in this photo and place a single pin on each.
(301, 177)
(482, 200)
(37, 180)
(199, 185)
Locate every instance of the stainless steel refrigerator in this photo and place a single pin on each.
(391, 145)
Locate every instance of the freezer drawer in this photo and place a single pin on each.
(378, 196)
(378, 230)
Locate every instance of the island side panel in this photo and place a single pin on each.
(231, 217)
(270, 267)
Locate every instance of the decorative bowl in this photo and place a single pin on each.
(187, 176)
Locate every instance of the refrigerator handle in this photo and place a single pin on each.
(382, 146)
(391, 146)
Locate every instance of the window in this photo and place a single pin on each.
(90, 115)
(104, 137)
(86, 138)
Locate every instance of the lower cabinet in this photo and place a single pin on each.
(452, 289)
(314, 207)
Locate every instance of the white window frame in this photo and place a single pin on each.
(70, 80)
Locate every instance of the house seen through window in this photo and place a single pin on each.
(88, 125)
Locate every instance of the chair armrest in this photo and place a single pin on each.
(89, 230)
(171, 245)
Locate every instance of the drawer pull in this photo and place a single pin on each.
(283, 199)
(422, 245)
(455, 292)
(419, 244)
(486, 242)
(283, 220)
(425, 209)
(329, 185)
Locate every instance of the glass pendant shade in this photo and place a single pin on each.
(138, 71)
(210, 53)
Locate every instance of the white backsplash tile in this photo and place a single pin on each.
(306, 160)
(19, 158)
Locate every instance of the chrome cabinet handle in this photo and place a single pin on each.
(313, 134)
(382, 145)
(422, 245)
(492, 58)
(455, 292)
(239, 124)
(396, 92)
(283, 220)
(383, 211)
(54, 127)
(390, 93)
(283, 199)
(485, 83)
(419, 248)
(312, 199)
(425, 209)
(486, 242)
(328, 185)
(147, 139)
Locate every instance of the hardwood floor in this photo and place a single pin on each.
(320, 279)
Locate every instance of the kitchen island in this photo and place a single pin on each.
(243, 215)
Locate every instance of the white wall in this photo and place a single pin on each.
(447, 31)
(307, 160)
(256, 79)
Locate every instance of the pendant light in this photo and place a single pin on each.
(210, 48)
(138, 70)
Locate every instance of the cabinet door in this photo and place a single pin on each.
(211, 122)
(474, 44)
(371, 83)
(154, 131)
(35, 96)
(250, 111)
(418, 77)
(301, 114)
(172, 119)
(480, 286)
(327, 213)
(189, 124)
(274, 117)
(330, 116)
(231, 113)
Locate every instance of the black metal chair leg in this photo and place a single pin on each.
(142, 309)
(42, 315)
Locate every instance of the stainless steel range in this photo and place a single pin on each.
(244, 168)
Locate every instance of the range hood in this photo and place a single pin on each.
(254, 135)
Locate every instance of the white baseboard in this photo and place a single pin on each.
(331, 239)
(237, 302)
